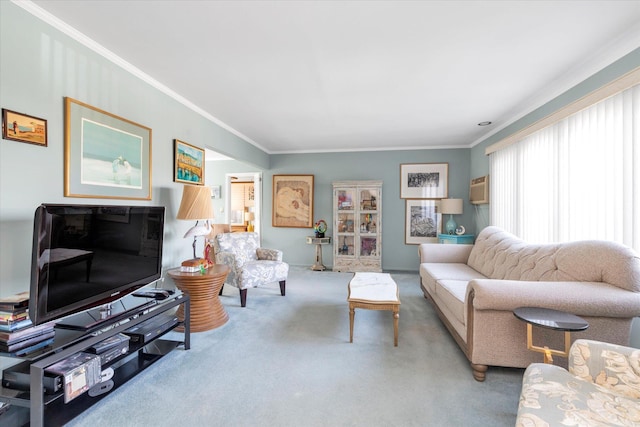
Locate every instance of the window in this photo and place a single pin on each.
(576, 179)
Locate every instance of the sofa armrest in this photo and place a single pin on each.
(580, 298)
(614, 367)
(437, 252)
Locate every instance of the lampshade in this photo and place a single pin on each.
(451, 206)
(196, 203)
(249, 216)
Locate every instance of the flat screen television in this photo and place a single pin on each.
(86, 257)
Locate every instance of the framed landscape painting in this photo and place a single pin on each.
(24, 128)
(423, 221)
(292, 201)
(424, 181)
(105, 156)
(188, 163)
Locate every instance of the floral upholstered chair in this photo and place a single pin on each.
(251, 266)
(601, 388)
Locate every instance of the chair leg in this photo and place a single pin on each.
(221, 288)
(243, 297)
(282, 287)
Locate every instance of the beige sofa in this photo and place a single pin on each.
(475, 289)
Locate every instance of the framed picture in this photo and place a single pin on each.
(105, 156)
(23, 128)
(292, 201)
(216, 191)
(424, 181)
(423, 221)
(188, 163)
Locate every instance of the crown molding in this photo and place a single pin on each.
(91, 44)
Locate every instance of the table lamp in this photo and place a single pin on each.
(249, 217)
(196, 204)
(451, 207)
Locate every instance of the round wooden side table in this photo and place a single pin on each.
(207, 312)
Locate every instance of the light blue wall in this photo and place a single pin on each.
(379, 165)
(39, 66)
(329, 167)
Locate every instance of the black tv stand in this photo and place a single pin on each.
(35, 408)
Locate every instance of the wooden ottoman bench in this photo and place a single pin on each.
(374, 291)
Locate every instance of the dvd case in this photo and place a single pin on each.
(80, 371)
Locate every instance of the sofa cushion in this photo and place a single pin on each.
(451, 271)
(430, 273)
(451, 293)
(498, 254)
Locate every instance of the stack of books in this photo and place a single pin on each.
(17, 334)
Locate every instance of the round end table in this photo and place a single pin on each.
(207, 312)
(550, 319)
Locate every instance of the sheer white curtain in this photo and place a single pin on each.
(577, 179)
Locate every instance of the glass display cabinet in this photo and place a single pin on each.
(357, 226)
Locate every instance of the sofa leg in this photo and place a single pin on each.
(221, 288)
(282, 286)
(479, 372)
(243, 297)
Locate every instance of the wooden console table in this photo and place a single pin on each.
(207, 312)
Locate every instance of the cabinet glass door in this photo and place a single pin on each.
(368, 222)
(345, 245)
(346, 199)
(368, 200)
(346, 222)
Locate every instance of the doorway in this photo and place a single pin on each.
(243, 207)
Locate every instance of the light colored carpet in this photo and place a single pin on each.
(287, 361)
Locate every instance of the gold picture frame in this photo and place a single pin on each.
(188, 163)
(105, 156)
(292, 201)
(24, 128)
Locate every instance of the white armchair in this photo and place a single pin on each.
(251, 266)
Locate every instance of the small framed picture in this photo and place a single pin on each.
(24, 128)
(424, 181)
(423, 221)
(216, 191)
(188, 163)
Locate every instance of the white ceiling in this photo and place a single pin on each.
(314, 76)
